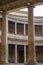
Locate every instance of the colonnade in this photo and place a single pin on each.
(30, 37)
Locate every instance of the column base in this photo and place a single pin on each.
(31, 63)
(2, 62)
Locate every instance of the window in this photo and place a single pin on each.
(20, 28)
(38, 30)
(39, 53)
(20, 53)
(26, 27)
(11, 27)
(11, 53)
(26, 53)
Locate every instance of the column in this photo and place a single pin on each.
(42, 30)
(25, 54)
(0, 52)
(15, 53)
(35, 55)
(15, 27)
(24, 30)
(3, 38)
(30, 36)
(6, 38)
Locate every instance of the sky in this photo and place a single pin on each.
(38, 10)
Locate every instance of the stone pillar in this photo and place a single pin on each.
(25, 54)
(15, 27)
(24, 30)
(30, 36)
(3, 39)
(15, 53)
(0, 52)
(6, 38)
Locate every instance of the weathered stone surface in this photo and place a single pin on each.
(30, 37)
(3, 39)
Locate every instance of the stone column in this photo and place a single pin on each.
(15, 27)
(15, 53)
(6, 38)
(24, 30)
(0, 52)
(25, 54)
(3, 39)
(30, 36)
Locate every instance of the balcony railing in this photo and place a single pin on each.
(21, 37)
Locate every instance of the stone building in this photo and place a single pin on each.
(16, 48)
(8, 52)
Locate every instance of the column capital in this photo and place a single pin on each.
(3, 13)
(30, 5)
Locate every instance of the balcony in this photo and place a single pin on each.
(20, 37)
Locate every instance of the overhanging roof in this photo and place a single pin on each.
(6, 5)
